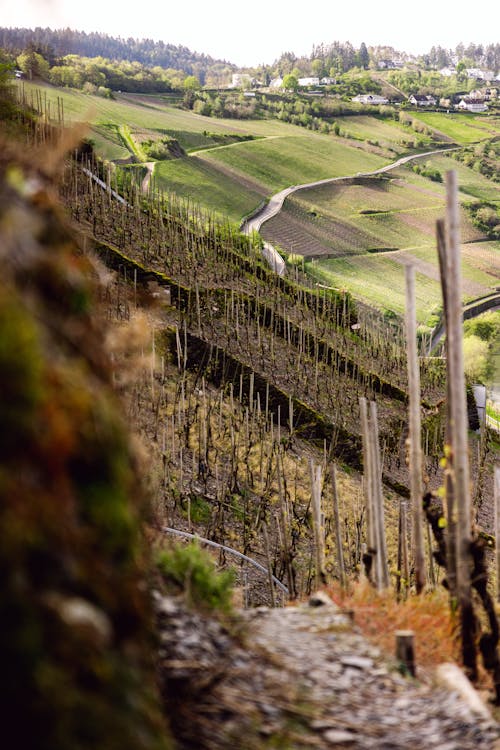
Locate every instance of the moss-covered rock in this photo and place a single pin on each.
(75, 636)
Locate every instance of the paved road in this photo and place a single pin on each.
(255, 222)
(275, 204)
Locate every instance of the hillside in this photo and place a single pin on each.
(350, 235)
(57, 43)
(230, 398)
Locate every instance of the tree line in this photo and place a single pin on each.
(56, 44)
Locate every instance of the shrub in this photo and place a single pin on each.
(475, 358)
(190, 570)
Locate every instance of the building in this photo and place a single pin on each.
(448, 72)
(480, 75)
(472, 105)
(370, 99)
(308, 81)
(422, 100)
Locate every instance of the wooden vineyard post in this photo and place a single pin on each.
(269, 566)
(285, 522)
(379, 573)
(371, 550)
(338, 533)
(383, 581)
(415, 430)
(458, 425)
(405, 650)
(450, 506)
(403, 562)
(318, 523)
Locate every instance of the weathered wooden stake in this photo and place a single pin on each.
(450, 506)
(405, 650)
(367, 487)
(318, 523)
(459, 425)
(383, 580)
(416, 488)
(402, 582)
(269, 566)
(338, 533)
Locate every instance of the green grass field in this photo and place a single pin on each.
(199, 181)
(302, 157)
(380, 281)
(461, 127)
(388, 133)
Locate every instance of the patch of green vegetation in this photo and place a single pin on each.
(276, 163)
(197, 180)
(199, 510)
(427, 171)
(190, 570)
(492, 411)
(366, 277)
(461, 127)
(484, 331)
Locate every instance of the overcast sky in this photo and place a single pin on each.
(261, 30)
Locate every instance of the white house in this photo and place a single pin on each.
(370, 99)
(390, 64)
(308, 81)
(480, 75)
(422, 100)
(276, 83)
(472, 105)
(328, 81)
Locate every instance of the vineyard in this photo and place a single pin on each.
(298, 355)
(300, 433)
(356, 233)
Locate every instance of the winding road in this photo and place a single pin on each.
(271, 209)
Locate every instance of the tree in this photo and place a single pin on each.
(475, 358)
(290, 82)
(363, 56)
(33, 64)
(318, 68)
(461, 72)
(191, 83)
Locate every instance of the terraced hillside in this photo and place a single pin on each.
(359, 233)
(346, 232)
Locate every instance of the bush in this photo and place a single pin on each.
(475, 358)
(190, 570)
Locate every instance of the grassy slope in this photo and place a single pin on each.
(463, 128)
(409, 206)
(201, 182)
(294, 159)
(232, 180)
(388, 133)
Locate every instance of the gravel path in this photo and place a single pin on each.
(304, 677)
(363, 703)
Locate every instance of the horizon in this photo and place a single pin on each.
(263, 36)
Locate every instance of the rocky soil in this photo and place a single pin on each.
(303, 677)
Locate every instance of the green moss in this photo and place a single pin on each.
(189, 569)
(20, 365)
